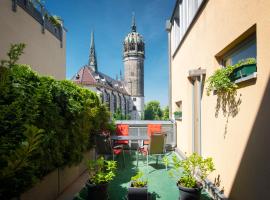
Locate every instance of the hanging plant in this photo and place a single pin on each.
(222, 82)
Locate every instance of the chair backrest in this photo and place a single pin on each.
(103, 145)
(122, 129)
(157, 143)
(153, 128)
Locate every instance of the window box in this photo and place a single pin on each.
(243, 71)
(177, 115)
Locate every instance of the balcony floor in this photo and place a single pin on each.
(160, 184)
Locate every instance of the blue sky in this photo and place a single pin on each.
(111, 20)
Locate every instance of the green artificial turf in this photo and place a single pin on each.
(160, 184)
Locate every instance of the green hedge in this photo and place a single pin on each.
(44, 124)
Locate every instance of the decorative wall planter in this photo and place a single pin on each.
(177, 115)
(243, 71)
(137, 193)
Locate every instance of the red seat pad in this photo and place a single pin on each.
(117, 151)
(151, 129)
(122, 130)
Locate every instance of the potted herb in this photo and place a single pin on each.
(138, 187)
(101, 172)
(190, 174)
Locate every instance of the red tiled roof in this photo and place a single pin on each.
(84, 76)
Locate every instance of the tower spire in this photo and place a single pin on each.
(133, 23)
(92, 56)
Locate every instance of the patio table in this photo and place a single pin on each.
(130, 137)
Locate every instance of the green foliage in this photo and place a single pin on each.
(165, 160)
(118, 115)
(177, 114)
(67, 114)
(138, 181)
(101, 171)
(56, 20)
(195, 169)
(165, 113)
(220, 80)
(152, 111)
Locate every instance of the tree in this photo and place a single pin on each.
(165, 114)
(152, 111)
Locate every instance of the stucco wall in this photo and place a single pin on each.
(52, 185)
(239, 145)
(43, 51)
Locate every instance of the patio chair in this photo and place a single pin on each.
(156, 147)
(122, 130)
(151, 129)
(105, 147)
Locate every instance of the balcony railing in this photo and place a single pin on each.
(41, 15)
(139, 127)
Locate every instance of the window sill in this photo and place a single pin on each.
(247, 78)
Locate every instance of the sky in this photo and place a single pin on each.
(111, 21)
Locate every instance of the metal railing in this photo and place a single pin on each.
(139, 127)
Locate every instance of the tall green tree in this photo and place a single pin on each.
(152, 111)
(165, 113)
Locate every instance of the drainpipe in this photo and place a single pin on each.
(199, 78)
(196, 75)
(193, 116)
(168, 29)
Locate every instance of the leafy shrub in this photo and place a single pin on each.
(195, 169)
(101, 171)
(64, 115)
(138, 181)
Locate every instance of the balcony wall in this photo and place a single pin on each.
(43, 50)
(53, 185)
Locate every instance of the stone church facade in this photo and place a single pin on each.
(125, 93)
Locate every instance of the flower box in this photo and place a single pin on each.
(243, 71)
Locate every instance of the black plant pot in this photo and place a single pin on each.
(189, 193)
(97, 192)
(137, 193)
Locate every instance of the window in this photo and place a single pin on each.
(134, 98)
(246, 49)
(178, 111)
(182, 18)
(134, 108)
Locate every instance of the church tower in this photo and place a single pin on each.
(133, 59)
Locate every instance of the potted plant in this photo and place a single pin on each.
(190, 174)
(243, 68)
(101, 172)
(138, 187)
(177, 115)
(222, 81)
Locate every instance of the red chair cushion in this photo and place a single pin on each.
(122, 130)
(152, 128)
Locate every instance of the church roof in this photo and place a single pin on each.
(88, 77)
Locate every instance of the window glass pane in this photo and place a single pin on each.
(245, 50)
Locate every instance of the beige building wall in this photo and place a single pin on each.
(42, 52)
(239, 146)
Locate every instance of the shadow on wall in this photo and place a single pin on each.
(253, 175)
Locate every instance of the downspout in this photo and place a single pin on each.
(199, 78)
(168, 29)
(193, 117)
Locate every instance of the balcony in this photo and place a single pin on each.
(160, 184)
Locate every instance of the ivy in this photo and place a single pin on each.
(44, 124)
